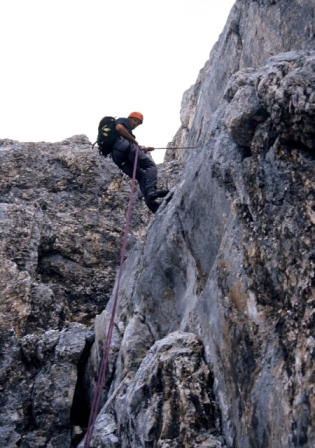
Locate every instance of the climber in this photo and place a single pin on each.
(123, 155)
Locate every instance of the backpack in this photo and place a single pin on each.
(107, 135)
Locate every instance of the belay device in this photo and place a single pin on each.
(107, 135)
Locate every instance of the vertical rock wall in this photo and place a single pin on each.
(213, 342)
(62, 217)
(255, 30)
(229, 256)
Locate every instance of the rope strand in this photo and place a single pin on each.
(180, 147)
(102, 370)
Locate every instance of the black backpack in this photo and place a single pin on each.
(107, 135)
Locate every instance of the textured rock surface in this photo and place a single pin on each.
(230, 257)
(255, 30)
(213, 344)
(57, 225)
(166, 400)
(62, 216)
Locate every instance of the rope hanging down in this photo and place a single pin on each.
(106, 348)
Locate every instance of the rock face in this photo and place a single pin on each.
(255, 31)
(213, 344)
(166, 400)
(62, 216)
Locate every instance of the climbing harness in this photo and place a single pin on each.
(106, 348)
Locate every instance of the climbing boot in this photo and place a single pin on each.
(162, 193)
(153, 206)
(152, 194)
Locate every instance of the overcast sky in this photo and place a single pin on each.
(67, 63)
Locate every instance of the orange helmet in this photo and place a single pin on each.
(136, 115)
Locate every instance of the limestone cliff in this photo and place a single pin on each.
(214, 341)
(62, 216)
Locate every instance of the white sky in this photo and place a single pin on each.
(67, 63)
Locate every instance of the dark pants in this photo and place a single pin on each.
(124, 154)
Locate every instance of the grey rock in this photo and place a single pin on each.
(55, 383)
(55, 227)
(9, 437)
(280, 93)
(168, 403)
(230, 255)
(96, 355)
(213, 338)
(170, 397)
(46, 344)
(103, 435)
(62, 211)
(255, 31)
(244, 113)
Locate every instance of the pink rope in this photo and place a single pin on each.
(106, 348)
